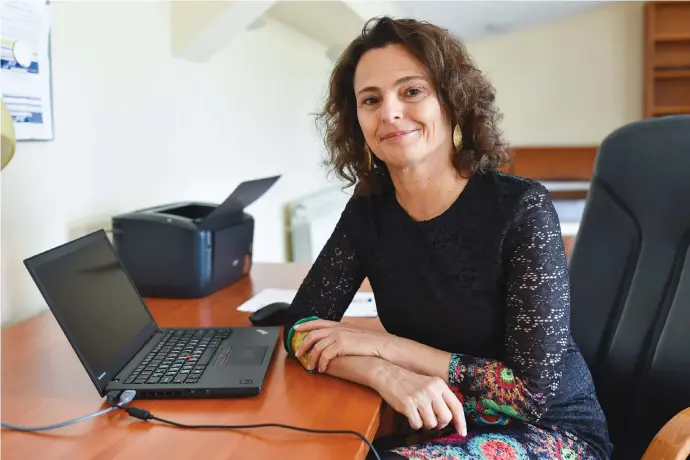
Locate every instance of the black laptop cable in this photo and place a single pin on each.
(125, 398)
(145, 415)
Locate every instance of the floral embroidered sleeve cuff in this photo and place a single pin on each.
(488, 388)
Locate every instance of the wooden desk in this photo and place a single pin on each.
(43, 383)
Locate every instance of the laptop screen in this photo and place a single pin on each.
(95, 303)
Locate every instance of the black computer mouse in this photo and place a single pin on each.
(272, 314)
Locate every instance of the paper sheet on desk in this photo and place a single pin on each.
(363, 304)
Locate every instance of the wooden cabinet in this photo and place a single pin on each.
(568, 243)
(667, 58)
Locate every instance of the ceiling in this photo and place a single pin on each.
(476, 20)
(201, 28)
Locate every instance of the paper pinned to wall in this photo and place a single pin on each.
(363, 304)
(26, 68)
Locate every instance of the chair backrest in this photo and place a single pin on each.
(630, 279)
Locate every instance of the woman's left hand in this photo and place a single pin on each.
(329, 339)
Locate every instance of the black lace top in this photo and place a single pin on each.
(485, 281)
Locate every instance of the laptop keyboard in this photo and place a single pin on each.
(180, 357)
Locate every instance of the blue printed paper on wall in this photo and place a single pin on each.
(26, 68)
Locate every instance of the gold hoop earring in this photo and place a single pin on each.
(457, 137)
(367, 150)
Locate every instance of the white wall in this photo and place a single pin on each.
(135, 127)
(571, 81)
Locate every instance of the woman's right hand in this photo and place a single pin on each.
(425, 401)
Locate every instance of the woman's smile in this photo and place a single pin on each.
(397, 136)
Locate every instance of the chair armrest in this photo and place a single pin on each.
(672, 442)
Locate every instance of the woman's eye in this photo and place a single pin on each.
(369, 101)
(413, 92)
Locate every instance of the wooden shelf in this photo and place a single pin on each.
(667, 58)
(672, 110)
(672, 38)
(665, 74)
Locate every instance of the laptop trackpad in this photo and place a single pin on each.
(244, 356)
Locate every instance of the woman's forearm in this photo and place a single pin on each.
(417, 357)
(365, 370)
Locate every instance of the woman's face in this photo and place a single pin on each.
(398, 111)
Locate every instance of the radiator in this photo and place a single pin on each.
(311, 221)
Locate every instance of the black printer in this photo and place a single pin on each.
(189, 249)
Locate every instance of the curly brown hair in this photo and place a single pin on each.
(464, 92)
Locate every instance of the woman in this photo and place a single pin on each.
(467, 263)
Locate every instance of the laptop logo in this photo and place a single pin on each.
(261, 331)
(101, 376)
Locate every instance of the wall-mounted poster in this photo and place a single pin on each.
(26, 67)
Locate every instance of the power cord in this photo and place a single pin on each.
(119, 401)
(125, 398)
(145, 415)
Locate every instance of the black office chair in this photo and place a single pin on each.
(630, 283)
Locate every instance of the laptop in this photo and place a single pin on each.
(122, 347)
